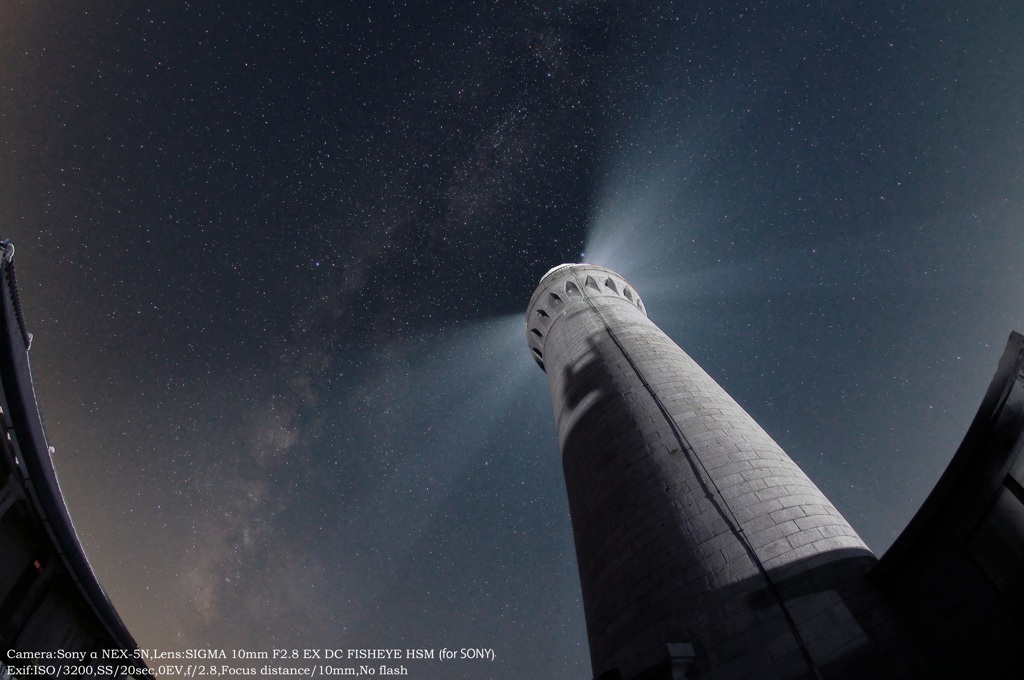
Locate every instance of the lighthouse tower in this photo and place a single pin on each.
(703, 550)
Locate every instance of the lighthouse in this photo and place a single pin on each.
(704, 551)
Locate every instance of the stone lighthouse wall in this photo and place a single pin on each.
(703, 550)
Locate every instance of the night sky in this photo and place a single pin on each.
(275, 258)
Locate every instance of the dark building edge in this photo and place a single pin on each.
(957, 569)
(26, 440)
(969, 455)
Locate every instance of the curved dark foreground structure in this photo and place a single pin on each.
(957, 570)
(705, 552)
(50, 599)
